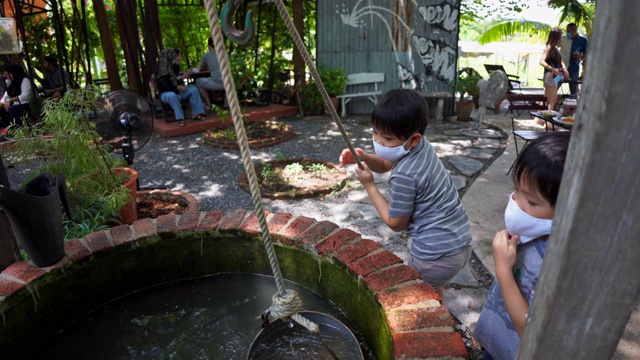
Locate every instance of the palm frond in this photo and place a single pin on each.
(504, 30)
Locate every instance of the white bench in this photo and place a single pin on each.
(357, 80)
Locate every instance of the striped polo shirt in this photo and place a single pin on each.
(422, 188)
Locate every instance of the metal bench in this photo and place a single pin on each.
(359, 85)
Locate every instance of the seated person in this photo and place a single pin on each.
(214, 82)
(172, 88)
(56, 79)
(15, 101)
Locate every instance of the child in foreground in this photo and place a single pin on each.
(518, 251)
(423, 198)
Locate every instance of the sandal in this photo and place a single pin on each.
(199, 117)
(181, 123)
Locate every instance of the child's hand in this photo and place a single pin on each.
(504, 250)
(365, 175)
(347, 158)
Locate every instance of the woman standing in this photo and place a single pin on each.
(551, 61)
(15, 101)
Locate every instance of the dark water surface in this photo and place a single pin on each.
(216, 317)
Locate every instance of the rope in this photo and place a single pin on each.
(297, 39)
(284, 300)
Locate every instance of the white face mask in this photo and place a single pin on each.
(390, 154)
(520, 223)
(7, 81)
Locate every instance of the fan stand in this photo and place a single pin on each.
(477, 130)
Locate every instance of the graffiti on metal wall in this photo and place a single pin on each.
(433, 46)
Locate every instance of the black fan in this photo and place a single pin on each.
(124, 118)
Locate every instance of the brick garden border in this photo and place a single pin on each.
(286, 134)
(401, 318)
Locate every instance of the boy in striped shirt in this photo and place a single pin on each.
(423, 200)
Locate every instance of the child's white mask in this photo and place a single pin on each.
(390, 154)
(520, 223)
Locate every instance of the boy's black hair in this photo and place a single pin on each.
(541, 162)
(210, 41)
(401, 112)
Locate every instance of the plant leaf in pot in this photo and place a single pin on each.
(67, 142)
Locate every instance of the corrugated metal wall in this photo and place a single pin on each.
(413, 42)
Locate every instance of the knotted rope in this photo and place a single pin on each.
(286, 303)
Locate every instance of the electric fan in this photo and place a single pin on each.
(491, 91)
(124, 118)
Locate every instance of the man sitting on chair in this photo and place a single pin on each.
(56, 79)
(214, 81)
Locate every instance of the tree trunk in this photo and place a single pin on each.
(298, 61)
(107, 45)
(126, 18)
(589, 283)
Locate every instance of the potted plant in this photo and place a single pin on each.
(67, 142)
(334, 81)
(467, 87)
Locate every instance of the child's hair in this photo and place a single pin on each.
(541, 162)
(401, 112)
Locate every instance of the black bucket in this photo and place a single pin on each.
(35, 217)
(283, 340)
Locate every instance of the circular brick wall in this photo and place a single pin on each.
(399, 315)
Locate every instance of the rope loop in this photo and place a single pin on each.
(285, 305)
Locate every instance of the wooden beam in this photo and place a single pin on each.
(589, 281)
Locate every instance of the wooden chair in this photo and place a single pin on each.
(159, 106)
(517, 105)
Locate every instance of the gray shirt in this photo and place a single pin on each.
(495, 330)
(421, 187)
(210, 60)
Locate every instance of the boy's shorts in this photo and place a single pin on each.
(438, 272)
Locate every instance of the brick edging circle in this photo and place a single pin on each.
(286, 134)
(294, 194)
(421, 326)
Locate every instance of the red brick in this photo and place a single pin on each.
(407, 295)
(188, 221)
(428, 345)
(194, 205)
(166, 223)
(232, 219)
(252, 224)
(317, 232)
(278, 221)
(144, 228)
(420, 318)
(76, 250)
(98, 241)
(336, 241)
(366, 266)
(24, 271)
(390, 277)
(8, 287)
(355, 251)
(121, 234)
(296, 228)
(211, 220)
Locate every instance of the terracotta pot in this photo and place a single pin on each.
(464, 109)
(129, 211)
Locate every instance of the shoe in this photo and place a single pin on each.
(3, 134)
(181, 123)
(199, 117)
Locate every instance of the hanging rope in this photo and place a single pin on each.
(286, 303)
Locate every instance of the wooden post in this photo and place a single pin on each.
(9, 252)
(589, 281)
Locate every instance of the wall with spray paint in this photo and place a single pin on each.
(413, 42)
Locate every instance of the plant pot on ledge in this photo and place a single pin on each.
(464, 108)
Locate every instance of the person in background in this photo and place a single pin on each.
(519, 250)
(56, 79)
(551, 61)
(15, 101)
(214, 82)
(423, 199)
(172, 88)
(577, 55)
